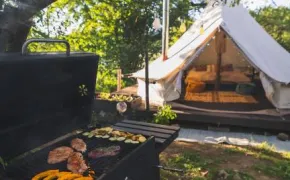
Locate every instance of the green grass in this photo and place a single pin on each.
(195, 166)
(266, 161)
(192, 163)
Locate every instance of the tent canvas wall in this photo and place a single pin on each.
(259, 49)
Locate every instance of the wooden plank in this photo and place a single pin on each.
(146, 128)
(152, 125)
(119, 79)
(218, 72)
(145, 133)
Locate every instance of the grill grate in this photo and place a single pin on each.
(35, 163)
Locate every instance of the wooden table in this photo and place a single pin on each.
(164, 135)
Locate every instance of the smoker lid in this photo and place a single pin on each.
(42, 98)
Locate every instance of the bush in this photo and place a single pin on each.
(164, 115)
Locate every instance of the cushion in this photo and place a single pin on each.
(200, 68)
(235, 77)
(227, 67)
(193, 76)
(211, 68)
(195, 87)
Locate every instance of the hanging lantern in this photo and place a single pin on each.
(182, 28)
(157, 24)
(201, 31)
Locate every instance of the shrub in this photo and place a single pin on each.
(164, 115)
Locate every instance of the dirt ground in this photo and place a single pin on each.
(206, 161)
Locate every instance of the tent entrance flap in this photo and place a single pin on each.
(189, 64)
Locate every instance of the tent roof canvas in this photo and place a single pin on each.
(261, 50)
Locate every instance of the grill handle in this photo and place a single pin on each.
(25, 45)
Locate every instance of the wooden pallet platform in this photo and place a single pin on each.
(263, 116)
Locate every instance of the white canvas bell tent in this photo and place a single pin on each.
(257, 47)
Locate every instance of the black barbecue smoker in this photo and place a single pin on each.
(45, 99)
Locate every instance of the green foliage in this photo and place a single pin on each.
(105, 95)
(164, 115)
(276, 21)
(280, 169)
(115, 30)
(116, 97)
(192, 164)
(2, 162)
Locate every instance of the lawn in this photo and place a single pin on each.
(224, 162)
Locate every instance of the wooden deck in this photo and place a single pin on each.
(260, 115)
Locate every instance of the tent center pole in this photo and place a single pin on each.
(218, 71)
(220, 48)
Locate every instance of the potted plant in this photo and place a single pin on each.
(164, 115)
(108, 101)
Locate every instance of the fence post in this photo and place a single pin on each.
(119, 79)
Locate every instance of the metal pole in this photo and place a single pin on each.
(147, 104)
(165, 29)
(147, 72)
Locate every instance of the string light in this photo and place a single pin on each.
(201, 31)
(182, 27)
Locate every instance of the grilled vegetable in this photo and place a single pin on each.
(84, 178)
(55, 176)
(90, 135)
(44, 174)
(113, 139)
(105, 137)
(121, 139)
(142, 139)
(69, 176)
(128, 141)
(86, 133)
(98, 136)
(135, 142)
(116, 133)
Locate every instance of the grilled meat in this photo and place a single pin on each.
(59, 154)
(76, 163)
(79, 145)
(104, 151)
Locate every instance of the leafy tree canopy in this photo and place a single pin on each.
(116, 30)
(276, 21)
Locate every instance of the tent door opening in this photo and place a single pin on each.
(222, 74)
